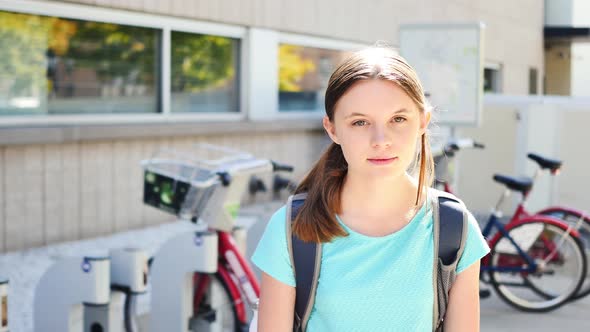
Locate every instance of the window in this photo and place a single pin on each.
(532, 81)
(204, 73)
(303, 76)
(53, 65)
(491, 78)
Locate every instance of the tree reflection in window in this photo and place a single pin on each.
(204, 73)
(303, 76)
(56, 65)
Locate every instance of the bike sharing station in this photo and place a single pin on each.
(99, 293)
(208, 191)
(66, 289)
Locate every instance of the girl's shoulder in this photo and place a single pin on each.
(279, 217)
(435, 193)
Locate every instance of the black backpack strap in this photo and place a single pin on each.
(450, 233)
(305, 259)
(451, 229)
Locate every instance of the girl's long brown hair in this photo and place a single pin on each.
(316, 220)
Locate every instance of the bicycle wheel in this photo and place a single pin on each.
(584, 230)
(561, 267)
(217, 312)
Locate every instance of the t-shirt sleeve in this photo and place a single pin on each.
(271, 254)
(475, 245)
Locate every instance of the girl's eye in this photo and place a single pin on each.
(359, 123)
(399, 119)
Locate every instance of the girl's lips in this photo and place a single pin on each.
(382, 161)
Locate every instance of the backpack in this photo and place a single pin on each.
(450, 232)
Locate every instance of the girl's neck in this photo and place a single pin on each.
(378, 196)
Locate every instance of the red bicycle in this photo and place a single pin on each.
(537, 262)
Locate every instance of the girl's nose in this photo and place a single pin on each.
(380, 137)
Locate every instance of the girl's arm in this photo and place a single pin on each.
(463, 308)
(276, 306)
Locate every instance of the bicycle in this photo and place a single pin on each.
(578, 219)
(528, 251)
(207, 190)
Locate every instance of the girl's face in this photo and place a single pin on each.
(377, 126)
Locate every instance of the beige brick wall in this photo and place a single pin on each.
(513, 37)
(62, 192)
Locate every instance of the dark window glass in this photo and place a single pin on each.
(491, 81)
(532, 81)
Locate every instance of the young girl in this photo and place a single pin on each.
(370, 214)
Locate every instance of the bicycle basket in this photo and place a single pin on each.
(178, 184)
(183, 182)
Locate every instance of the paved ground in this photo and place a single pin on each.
(498, 316)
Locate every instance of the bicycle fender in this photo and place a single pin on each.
(547, 219)
(568, 210)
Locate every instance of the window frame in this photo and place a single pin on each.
(166, 25)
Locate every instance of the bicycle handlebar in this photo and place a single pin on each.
(453, 146)
(464, 143)
(276, 167)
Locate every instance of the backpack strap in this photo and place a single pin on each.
(450, 233)
(305, 259)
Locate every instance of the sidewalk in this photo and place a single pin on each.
(499, 316)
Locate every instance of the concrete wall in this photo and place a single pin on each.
(581, 13)
(475, 168)
(572, 186)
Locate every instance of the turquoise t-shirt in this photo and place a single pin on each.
(369, 283)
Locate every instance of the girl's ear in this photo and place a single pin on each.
(424, 122)
(330, 129)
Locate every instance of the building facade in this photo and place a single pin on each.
(90, 88)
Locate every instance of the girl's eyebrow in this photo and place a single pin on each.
(353, 114)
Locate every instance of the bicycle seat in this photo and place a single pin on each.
(521, 184)
(544, 163)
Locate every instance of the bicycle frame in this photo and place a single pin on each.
(494, 222)
(235, 273)
(521, 216)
